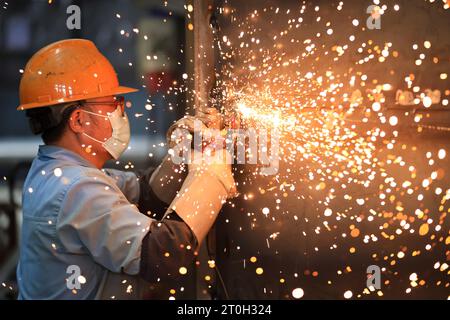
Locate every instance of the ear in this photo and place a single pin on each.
(78, 121)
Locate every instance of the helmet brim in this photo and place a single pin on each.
(117, 91)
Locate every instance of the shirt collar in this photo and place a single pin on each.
(62, 154)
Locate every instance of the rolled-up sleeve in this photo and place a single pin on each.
(97, 215)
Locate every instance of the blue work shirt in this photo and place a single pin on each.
(79, 218)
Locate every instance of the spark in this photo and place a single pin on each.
(57, 172)
(298, 293)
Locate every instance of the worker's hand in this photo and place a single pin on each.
(209, 181)
(207, 119)
(206, 188)
(167, 179)
(212, 118)
(216, 161)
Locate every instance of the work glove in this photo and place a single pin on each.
(216, 163)
(168, 177)
(206, 188)
(209, 182)
(210, 118)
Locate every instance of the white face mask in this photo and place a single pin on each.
(120, 138)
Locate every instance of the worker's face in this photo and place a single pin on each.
(96, 126)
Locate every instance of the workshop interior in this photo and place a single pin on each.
(350, 98)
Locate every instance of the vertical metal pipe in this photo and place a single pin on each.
(203, 50)
(200, 65)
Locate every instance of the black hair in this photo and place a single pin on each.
(50, 122)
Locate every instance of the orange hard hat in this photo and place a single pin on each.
(66, 71)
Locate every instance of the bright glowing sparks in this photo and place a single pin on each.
(298, 293)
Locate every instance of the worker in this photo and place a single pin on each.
(87, 231)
